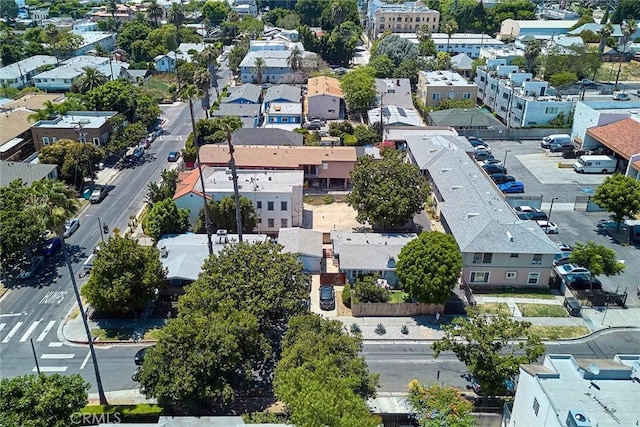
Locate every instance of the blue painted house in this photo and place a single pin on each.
(281, 93)
(248, 93)
(288, 113)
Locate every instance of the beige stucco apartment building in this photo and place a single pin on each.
(324, 98)
(434, 86)
(405, 17)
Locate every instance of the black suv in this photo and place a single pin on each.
(527, 212)
(493, 169)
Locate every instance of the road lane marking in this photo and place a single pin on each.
(29, 331)
(50, 369)
(12, 314)
(86, 359)
(46, 331)
(55, 344)
(53, 297)
(12, 332)
(57, 356)
(2, 325)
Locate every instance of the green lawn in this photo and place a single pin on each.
(494, 308)
(398, 297)
(542, 310)
(558, 332)
(151, 334)
(121, 334)
(159, 89)
(521, 293)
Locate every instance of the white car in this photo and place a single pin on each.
(548, 226)
(572, 269)
(71, 226)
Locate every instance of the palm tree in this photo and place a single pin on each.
(188, 93)
(112, 8)
(423, 33)
(531, 53)
(628, 28)
(338, 13)
(38, 115)
(210, 57)
(258, 67)
(202, 79)
(230, 124)
(90, 79)
(176, 16)
(54, 203)
(155, 11)
(450, 27)
(605, 32)
(295, 59)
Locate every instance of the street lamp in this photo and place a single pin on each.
(100, 229)
(546, 228)
(504, 162)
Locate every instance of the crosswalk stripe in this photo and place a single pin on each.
(57, 356)
(29, 331)
(12, 332)
(2, 325)
(50, 369)
(55, 344)
(46, 330)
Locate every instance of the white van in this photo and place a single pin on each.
(559, 139)
(595, 164)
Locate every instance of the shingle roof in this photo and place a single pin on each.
(186, 183)
(284, 93)
(247, 91)
(324, 85)
(28, 172)
(620, 136)
(368, 251)
(464, 117)
(240, 110)
(266, 136)
(301, 241)
(251, 156)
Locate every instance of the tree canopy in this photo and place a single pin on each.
(620, 195)
(365, 289)
(387, 191)
(75, 159)
(437, 405)
(121, 96)
(41, 400)
(165, 217)
(396, 48)
(157, 192)
(492, 347)
(599, 259)
(21, 227)
(428, 267)
(125, 276)
(223, 216)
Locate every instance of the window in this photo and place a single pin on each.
(382, 26)
(269, 206)
(96, 141)
(270, 223)
(45, 140)
(505, 96)
(272, 119)
(283, 222)
(533, 278)
(435, 96)
(259, 204)
(451, 95)
(537, 259)
(331, 111)
(511, 275)
(515, 256)
(482, 258)
(285, 119)
(519, 106)
(466, 95)
(551, 110)
(493, 86)
(382, 19)
(54, 139)
(482, 79)
(536, 406)
(283, 206)
(479, 277)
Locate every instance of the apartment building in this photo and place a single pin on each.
(435, 86)
(92, 126)
(404, 18)
(19, 74)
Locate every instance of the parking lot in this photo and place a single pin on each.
(542, 177)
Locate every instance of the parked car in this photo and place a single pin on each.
(548, 226)
(483, 156)
(512, 187)
(493, 169)
(527, 212)
(501, 178)
(621, 96)
(509, 388)
(582, 281)
(98, 194)
(564, 247)
(37, 263)
(561, 258)
(560, 147)
(492, 161)
(475, 142)
(573, 306)
(71, 226)
(586, 82)
(572, 269)
(51, 246)
(138, 359)
(173, 156)
(327, 297)
(313, 125)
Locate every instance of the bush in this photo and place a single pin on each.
(328, 199)
(349, 140)
(346, 296)
(355, 329)
(366, 290)
(404, 330)
(380, 329)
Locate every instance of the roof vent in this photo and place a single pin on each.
(577, 418)
(472, 214)
(455, 187)
(164, 252)
(443, 170)
(509, 236)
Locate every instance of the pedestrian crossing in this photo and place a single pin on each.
(23, 331)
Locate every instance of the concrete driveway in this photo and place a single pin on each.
(324, 218)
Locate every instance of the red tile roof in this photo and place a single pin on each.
(622, 136)
(186, 183)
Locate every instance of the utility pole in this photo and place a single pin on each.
(82, 137)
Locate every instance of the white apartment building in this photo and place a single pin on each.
(404, 17)
(276, 195)
(469, 44)
(516, 98)
(19, 74)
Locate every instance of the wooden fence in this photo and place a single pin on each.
(394, 310)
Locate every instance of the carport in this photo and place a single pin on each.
(621, 137)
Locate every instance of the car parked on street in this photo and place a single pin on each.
(36, 265)
(71, 226)
(98, 194)
(493, 169)
(527, 212)
(512, 187)
(548, 226)
(51, 246)
(509, 387)
(327, 297)
(138, 359)
(501, 178)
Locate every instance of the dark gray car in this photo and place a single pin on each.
(327, 297)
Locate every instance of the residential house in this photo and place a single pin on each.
(323, 166)
(247, 93)
(365, 253)
(139, 76)
(462, 64)
(508, 53)
(567, 392)
(184, 254)
(61, 79)
(266, 136)
(498, 249)
(396, 92)
(249, 114)
(464, 118)
(92, 39)
(405, 17)
(554, 12)
(123, 12)
(324, 99)
(89, 126)
(435, 86)
(284, 115)
(276, 195)
(245, 7)
(165, 63)
(16, 142)
(19, 74)
(511, 28)
(621, 138)
(267, 45)
(518, 99)
(86, 26)
(395, 116)
(281, 93)
(27, 172)
(307, 244)
(276, 65)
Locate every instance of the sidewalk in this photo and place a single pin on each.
(73, 329)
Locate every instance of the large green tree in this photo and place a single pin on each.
(165, 217)
(492, 347)
(42, 400)
(620, 195)
(165, 189)
(428, 267)
(599, 259)
(203, 359)
(8, 9)
(223, 215)
(20, 227)
(121, 96)
(436, 405)
(387, 191)
(258, 277)
(215, 12)
(396, 48)
(75, 159)
(125, 276)
(359, 88)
